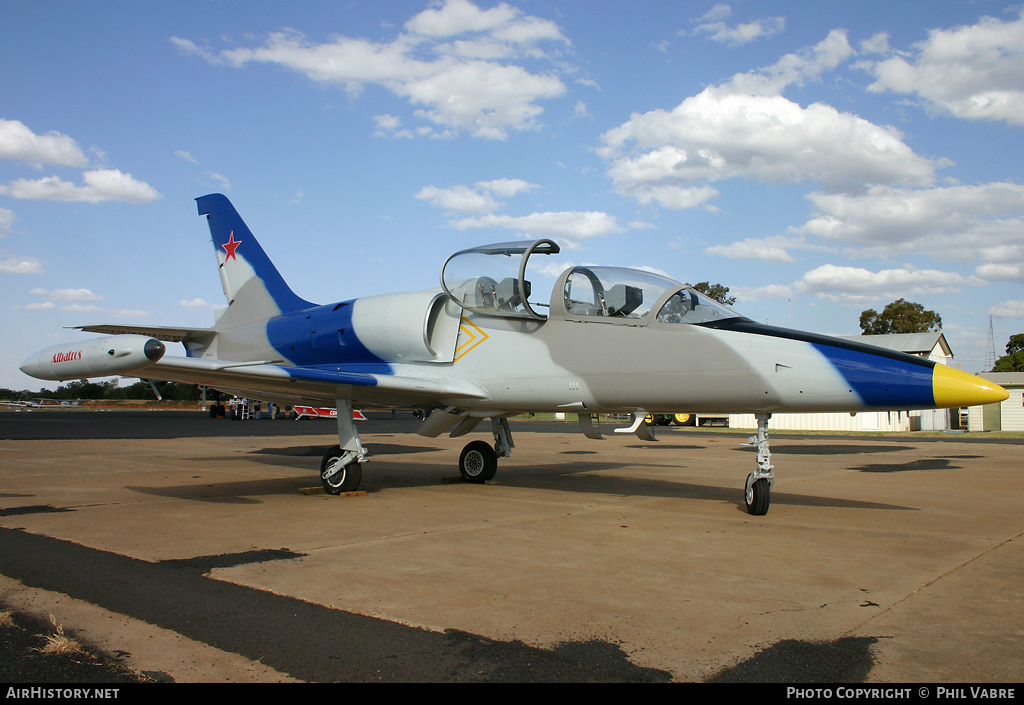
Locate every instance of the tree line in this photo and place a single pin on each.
(84, 389)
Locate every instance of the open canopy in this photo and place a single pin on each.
(491, 279)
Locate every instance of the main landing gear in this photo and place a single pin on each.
(479, 460)
(341, 469)
(758, 493)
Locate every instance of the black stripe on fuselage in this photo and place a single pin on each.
(745, 325)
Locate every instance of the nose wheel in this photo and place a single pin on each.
(758, 495)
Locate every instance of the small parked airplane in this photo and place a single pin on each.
(482, 346)
(40, 403)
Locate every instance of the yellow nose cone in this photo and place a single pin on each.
(953, 388)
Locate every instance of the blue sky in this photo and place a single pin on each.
(817, 158)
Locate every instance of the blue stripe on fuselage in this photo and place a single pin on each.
(323, 336)
(882, 378)
(882, 382)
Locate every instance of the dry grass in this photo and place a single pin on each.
(6, 618)
(59, 642)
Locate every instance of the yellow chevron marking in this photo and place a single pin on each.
(473, 337)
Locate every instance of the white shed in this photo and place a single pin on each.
(1007, 415)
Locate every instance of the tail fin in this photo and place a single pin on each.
(253, 286)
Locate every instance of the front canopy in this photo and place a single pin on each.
(491, 279)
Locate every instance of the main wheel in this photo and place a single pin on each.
(478, 462)
(758, 496)
(345, 480)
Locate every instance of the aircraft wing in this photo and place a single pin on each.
(322, 384)
(168, 333)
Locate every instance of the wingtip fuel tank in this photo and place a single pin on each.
(110, 355)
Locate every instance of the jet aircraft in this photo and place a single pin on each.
(484, 345)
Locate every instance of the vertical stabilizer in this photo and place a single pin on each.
(252, 285)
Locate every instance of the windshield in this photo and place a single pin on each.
(691, 306)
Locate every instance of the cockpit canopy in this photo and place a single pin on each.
(492, 280)
(619, 294)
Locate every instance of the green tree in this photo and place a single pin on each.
(901, 316)
(1015, 344)
(1010, 363)
(1013, 361)
(718, 292)
(81, 389)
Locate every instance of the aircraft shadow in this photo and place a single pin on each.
(832, 449)
(590, 477)
(588, 480)
(911, 466)
(241, 492)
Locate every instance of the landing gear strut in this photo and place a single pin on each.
(758, 493)
(341, 469)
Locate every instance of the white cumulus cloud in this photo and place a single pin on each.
(1008, 309)
(21, 265)
(974, 71)
(951, 222)
(99, 185)
(69, 295)
(459, 66)
(663, 155)
(776, 248)
(859, 285)
(568, 227)
(17, 141)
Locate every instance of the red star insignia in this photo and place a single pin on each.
(231, 245)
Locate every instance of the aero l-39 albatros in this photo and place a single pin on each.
(484, 346)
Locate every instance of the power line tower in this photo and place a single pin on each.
(990, 353)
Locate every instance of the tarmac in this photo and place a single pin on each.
(200, 550)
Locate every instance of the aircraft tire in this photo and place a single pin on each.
(346, 481)
(478, 462)
(758, 497)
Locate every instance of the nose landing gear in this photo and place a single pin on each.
(758, 492)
